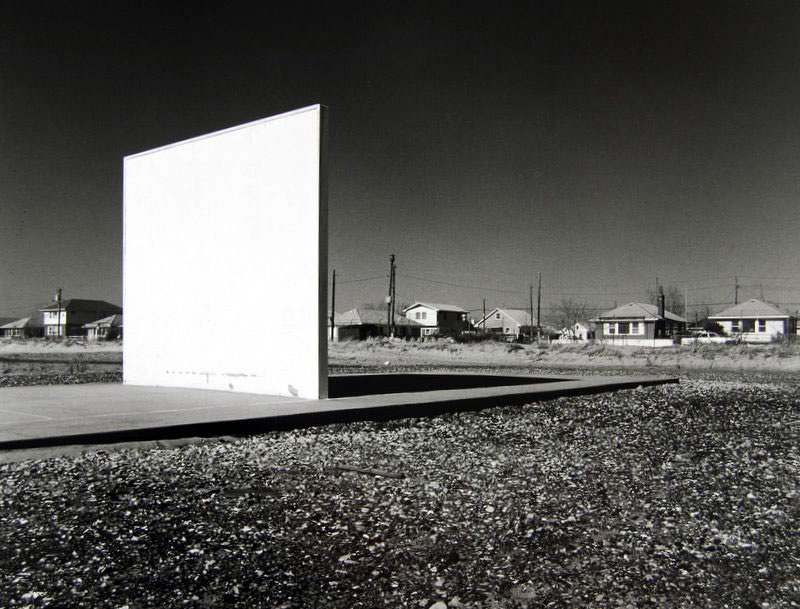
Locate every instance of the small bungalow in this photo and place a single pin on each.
(508, 323)
(437, 318)
(360, 324)
(26, 327)
(638, 323)
(107, 328)
(755, 321)
(576, 333)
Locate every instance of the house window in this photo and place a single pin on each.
(761, 325)
(424, 315)
(611, 328)
(736, 326)
(417, 315)
(497, 315)
(624, 327)
(748, 325)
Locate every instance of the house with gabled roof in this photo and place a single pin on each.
(578, 332)
(107, 328)
(436, 318)
(25, 327)
(508, 323)
(638, 323)
(68, 317)
(360, 324)
(755, 321)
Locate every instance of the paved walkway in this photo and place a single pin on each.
(58, 415)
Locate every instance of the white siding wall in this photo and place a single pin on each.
(51, 317)
(727, 326)
(430, 315)
(776, 326)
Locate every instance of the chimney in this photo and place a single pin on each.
(660, 301)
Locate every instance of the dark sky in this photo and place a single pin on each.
(603, 144)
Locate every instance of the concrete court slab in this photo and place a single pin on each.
(62, 415)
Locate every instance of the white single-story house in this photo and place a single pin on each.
(437, 318)
(576, 333)
(25, 327)
(107, 328)
(638, 323)
(509, 323)
(755, 321)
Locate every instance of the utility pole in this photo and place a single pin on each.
(333, 303)
(531, 320)
(539, 308)
(58, 319)
(735, 290)
(389, 297)
(394, 296)
(484, 316)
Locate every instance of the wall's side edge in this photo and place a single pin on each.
(323, 252)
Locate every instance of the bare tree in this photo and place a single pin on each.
(567, 312)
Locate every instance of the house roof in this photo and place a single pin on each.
(520, 316)
(23, 322)
(6, 320)
(82, 304)
(358, 317)
(637, 310)
(437, 306)
(751, 308)
(114, 321)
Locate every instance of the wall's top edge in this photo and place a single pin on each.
(227, 130)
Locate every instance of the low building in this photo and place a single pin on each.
(361, 324)
(69, 317)
(755, 321)
(638, 323)
(25, 327)
(108, 328)
(576, 333)
(437, 318)
(511, 324)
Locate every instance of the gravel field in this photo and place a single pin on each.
(674, 496)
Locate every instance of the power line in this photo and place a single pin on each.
(461, 285)
(384, 276)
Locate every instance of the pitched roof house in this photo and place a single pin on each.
(577, 332)
(107, 328)
(510, 323)
(360, 324)
(638, 323)
(25, 327)
(68, 318)
(755, 321)
(438, 318)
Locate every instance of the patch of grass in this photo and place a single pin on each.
(77, 364)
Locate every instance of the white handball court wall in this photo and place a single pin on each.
(225, 260)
